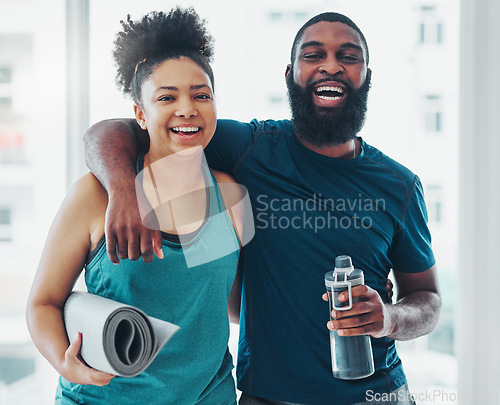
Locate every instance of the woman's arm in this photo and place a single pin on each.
(234, 301)
(73, 233)
(111, 149)
(237, 205)
(240, 212)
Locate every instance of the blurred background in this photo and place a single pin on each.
(57, 79)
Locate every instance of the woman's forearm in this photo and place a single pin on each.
(46, 328)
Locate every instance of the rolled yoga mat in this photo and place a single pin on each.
(116, 338)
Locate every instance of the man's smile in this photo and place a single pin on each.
(329, 94)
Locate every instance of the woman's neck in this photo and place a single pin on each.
(175, 187)
(177, 173)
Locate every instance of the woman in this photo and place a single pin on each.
(163, 63)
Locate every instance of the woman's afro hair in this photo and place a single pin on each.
(157, 37)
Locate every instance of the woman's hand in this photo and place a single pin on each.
(76, 371)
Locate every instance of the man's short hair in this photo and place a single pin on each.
(329, 17)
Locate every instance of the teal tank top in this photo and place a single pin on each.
(195, 366)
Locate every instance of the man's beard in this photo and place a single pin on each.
(323, 126)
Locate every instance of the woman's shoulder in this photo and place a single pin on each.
(87, 200)
(235, 200)
(88, 192)
(231, 191)
(223, 177)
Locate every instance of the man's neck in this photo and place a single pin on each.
(347, 150)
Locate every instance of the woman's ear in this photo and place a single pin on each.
(139, 116)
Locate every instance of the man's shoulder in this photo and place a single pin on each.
(235, 139)
(275, 126)
(389, 168)
(255, 126)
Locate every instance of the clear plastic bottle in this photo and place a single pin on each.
(352, 356)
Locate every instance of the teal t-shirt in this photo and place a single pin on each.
(308, 209)
(195, 365)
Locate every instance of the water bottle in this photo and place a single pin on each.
(352, 356)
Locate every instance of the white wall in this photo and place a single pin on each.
(479, 300)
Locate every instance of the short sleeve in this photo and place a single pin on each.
(230, 142)
(411, 250)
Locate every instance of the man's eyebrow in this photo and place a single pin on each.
(345, 45)
(311, 43)
(352, 45)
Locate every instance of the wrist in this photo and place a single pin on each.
(60, 365)
(391, 323)
(122, 186)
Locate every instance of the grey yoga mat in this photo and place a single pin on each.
(116, 338)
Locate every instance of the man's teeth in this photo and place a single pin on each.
(329, 98)
(185, 129)
(330, 89)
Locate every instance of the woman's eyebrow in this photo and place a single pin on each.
(170, 88)
(192, 87)
(199, 86)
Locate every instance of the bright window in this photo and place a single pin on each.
(433, 115)
(431, 27)
(5, 75)
(434, 202)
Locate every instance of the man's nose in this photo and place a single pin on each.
(331, 66)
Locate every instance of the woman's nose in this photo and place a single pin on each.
(186, 108)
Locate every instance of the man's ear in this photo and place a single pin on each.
(139, 116)
(288, 70)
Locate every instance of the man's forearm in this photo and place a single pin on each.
(414, 315)
(111, 149)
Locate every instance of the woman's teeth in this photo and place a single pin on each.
(185, 129)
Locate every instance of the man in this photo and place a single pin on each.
(317, 191)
